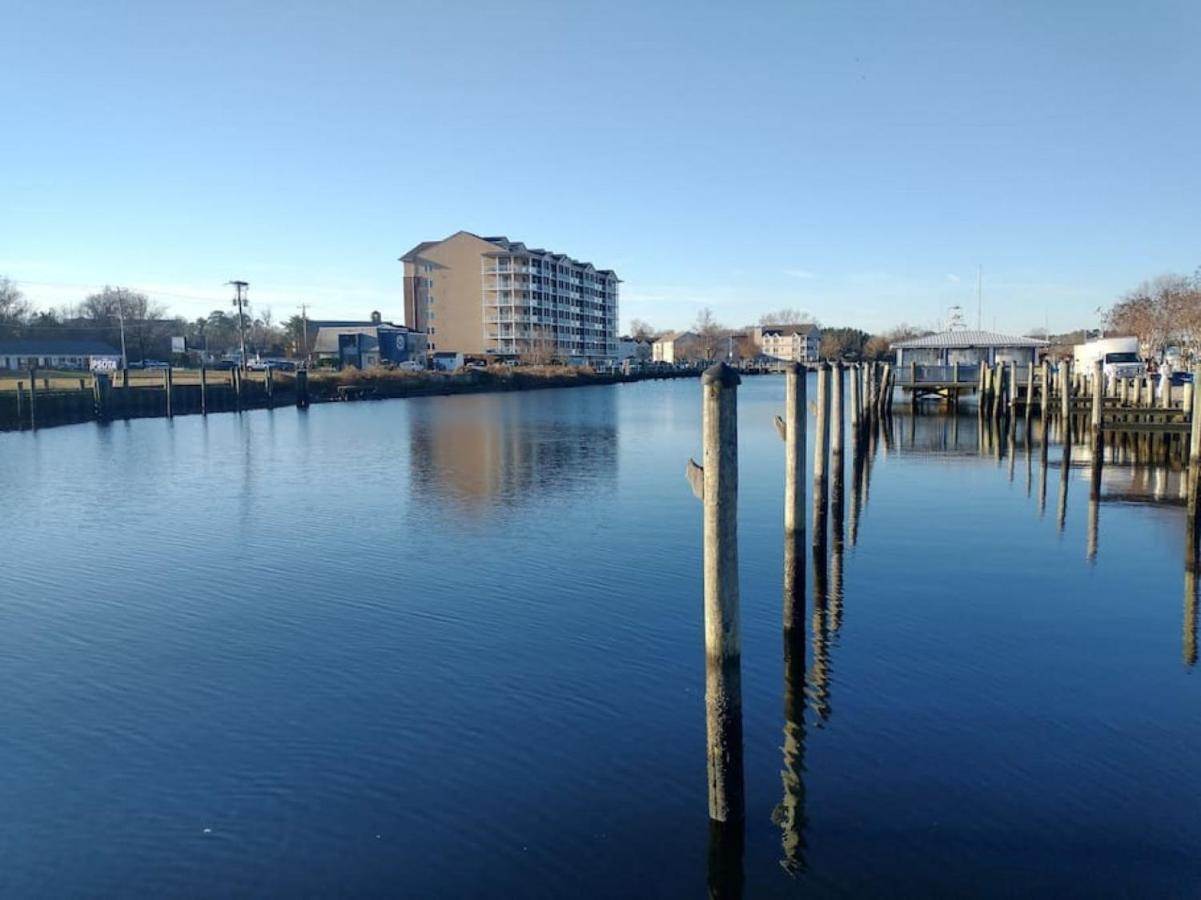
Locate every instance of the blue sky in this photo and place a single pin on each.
(857, 160)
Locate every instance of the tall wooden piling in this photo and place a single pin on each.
(204, 390)
(167, 390)
(236, 380)
(1098, 403)
(1066, 387)
(33, 399)
(836, 414)
(717, 483)
(302, 390)
(269, 386)
(792, 430)
(854, 382)
(821, 447)
(101, 391)
(20, 404)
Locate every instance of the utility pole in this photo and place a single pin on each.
(240, 298)
(304, 330)
(979, 298)
(121, 319)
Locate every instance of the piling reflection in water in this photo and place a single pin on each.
(727, 848)
(789, 814)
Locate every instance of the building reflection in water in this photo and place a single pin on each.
(477, 451)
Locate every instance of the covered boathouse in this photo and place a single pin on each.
(968, 348)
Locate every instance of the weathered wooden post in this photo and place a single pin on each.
(302, 387)
(101, 389)
(1098, 403)
(836, 415)
(855, 395)
(204, 390)
(33, 399)
(236, 381)
(792, 429)
(167, 385)
(889, 387)
(20, 404)
(1066, 380)
(716, 483)
(821, 447)
(269, 386)
(1187, 403)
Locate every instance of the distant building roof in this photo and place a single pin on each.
(56, 348)
(967, 338)
(506, 247)
(798, 328)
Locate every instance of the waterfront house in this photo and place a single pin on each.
(968, 347)
(58, 354)
(366, 344)
(635, 349)
(678, 348)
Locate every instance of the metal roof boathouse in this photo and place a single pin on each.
(968, 348)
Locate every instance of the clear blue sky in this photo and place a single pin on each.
(857, 160)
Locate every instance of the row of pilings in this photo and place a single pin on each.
(715, 482)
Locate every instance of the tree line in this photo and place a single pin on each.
(1164, 313)
(840, 342)
(148, 328)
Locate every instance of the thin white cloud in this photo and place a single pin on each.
(953, 278)
(800, 273)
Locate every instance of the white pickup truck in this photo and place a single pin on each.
(1119, 354)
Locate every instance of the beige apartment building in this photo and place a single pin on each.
(492, 296)
(795, 343)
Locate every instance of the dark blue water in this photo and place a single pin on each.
(452, 647)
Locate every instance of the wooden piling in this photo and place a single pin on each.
(792, 428)
(204, 390)
(33, 400)
(1066, 381)
(854, 381)
(302, 391)
(101, 390)
(269, 387)
(717, 483)
(821, 446)
(1098, 403)
(236, 381)
(20, 404)
(836, 415)
(167, 390)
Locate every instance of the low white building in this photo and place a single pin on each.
(678, 347)
(74, 355)
(634, 349)
(792, 343)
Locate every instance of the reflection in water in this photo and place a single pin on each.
(1094, 500)
(480, 451)
(819, 677)
(1065, 472)
(727, 845)
(789, 814)
(1190, 587)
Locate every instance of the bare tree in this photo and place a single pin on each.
(1160, 313)
(787, 316)
(14, 310)
(709, 332)
(642, 331)
(144, 327)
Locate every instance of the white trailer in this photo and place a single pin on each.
(1119, 354)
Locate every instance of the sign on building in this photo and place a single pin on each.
(179, 345)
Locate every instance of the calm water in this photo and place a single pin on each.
(452, 647)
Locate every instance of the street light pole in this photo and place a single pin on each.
(121, 319)
(239, 298)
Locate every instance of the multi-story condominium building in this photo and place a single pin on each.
(492, 296)
(796, 343)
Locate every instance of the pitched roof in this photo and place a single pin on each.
(968, 338)
(505, 246)
(56, 348)
(798, 328)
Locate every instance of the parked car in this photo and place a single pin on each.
(155, 364)
(410, 365)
